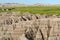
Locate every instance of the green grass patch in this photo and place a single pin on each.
(37, 10)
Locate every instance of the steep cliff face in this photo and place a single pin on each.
(29, 27)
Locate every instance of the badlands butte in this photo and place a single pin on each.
(27, 26)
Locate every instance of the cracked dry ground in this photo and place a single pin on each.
(29, 27)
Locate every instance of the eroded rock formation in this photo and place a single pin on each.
(29, 27)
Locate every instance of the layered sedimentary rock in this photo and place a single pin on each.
(29, 27)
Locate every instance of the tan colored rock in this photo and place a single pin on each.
(36, 27)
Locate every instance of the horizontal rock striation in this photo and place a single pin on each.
(29, 27)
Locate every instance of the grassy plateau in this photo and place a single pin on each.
(48, 10)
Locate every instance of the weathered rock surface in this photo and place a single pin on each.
(29, 27)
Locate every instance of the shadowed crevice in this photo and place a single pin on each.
(41, 34)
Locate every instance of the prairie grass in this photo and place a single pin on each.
(48, 10)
